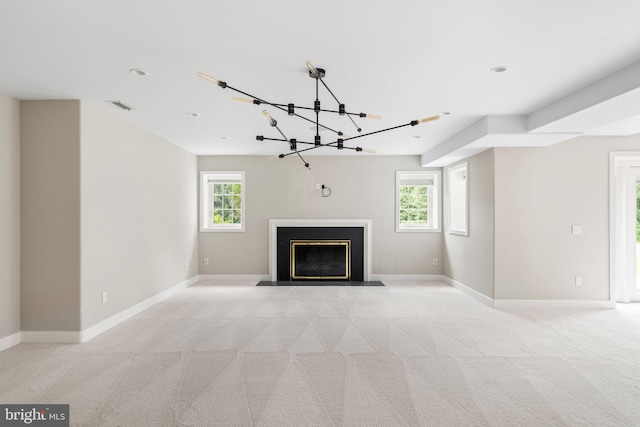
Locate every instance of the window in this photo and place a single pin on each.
(222, 201)
(417, 201)
(458, 207)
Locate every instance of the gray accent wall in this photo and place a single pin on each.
(106, 207)
(362, 187)
(9, 216)
(470, 259)
(139, 219)
(50, 210)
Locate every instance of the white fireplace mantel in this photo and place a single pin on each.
(274, 224)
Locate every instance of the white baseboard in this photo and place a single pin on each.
(10, 341)
(114, 320)
(513, 303)
(234, 277)
(489, 302)
(509, 303)
(406, 277)
(51, 337)
(78, 337)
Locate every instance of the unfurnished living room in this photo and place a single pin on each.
(338, 213)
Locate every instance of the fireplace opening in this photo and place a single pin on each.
(320, 259)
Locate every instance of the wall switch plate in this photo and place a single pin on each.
(578, 281)
(206, 261)
(435, 261)
(576, 229)
(104, 297)
(317, 186)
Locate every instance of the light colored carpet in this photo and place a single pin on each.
(408, 354)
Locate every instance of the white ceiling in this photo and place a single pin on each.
(403, 60)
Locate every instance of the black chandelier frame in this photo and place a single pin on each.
(318, 75)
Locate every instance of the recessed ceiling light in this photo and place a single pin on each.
(193, 114)
(500, 69)
(138, 72)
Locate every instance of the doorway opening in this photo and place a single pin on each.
(625, 226)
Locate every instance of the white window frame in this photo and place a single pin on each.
(459, 199)
(433, 180)
(207, 177)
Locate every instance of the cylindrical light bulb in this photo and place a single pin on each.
(429, 119)
(208, 77)
(373, 116)
(271, 120)
(368, 150)
(311, 68)
(238, 99)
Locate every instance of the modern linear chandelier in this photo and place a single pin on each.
(318, 75)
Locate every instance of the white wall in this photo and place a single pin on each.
(50, 215)
(9, 216)
(362, 187)
(540, 193)
(139, 218)
(470, 259)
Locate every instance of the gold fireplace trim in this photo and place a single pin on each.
(345, 243)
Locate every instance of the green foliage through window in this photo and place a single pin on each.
(227, 203)
(414, 200)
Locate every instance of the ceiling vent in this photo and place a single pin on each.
(121, 105)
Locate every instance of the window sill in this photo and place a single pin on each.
(418, 230)
(222, 230)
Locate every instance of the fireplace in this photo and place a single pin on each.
(320, 259)
(302, 249)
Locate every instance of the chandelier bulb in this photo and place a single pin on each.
(429, 119)
(212, 79)
(271, 120)
(373, 116)
(312, 69)
(369, 150)
(238, 99)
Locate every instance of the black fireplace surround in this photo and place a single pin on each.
(286, 234)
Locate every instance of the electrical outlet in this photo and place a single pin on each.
(206, 261)
(104, 297)
(435, 261)
(317, 186)
(578, 281)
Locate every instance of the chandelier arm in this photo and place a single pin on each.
(334, 97)
(283, 135)
(303, 160)
(329, 90)
(313, 109)
(380, 131)
(317, 112)
(281, 108)
(304, 149)
(264, 138)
